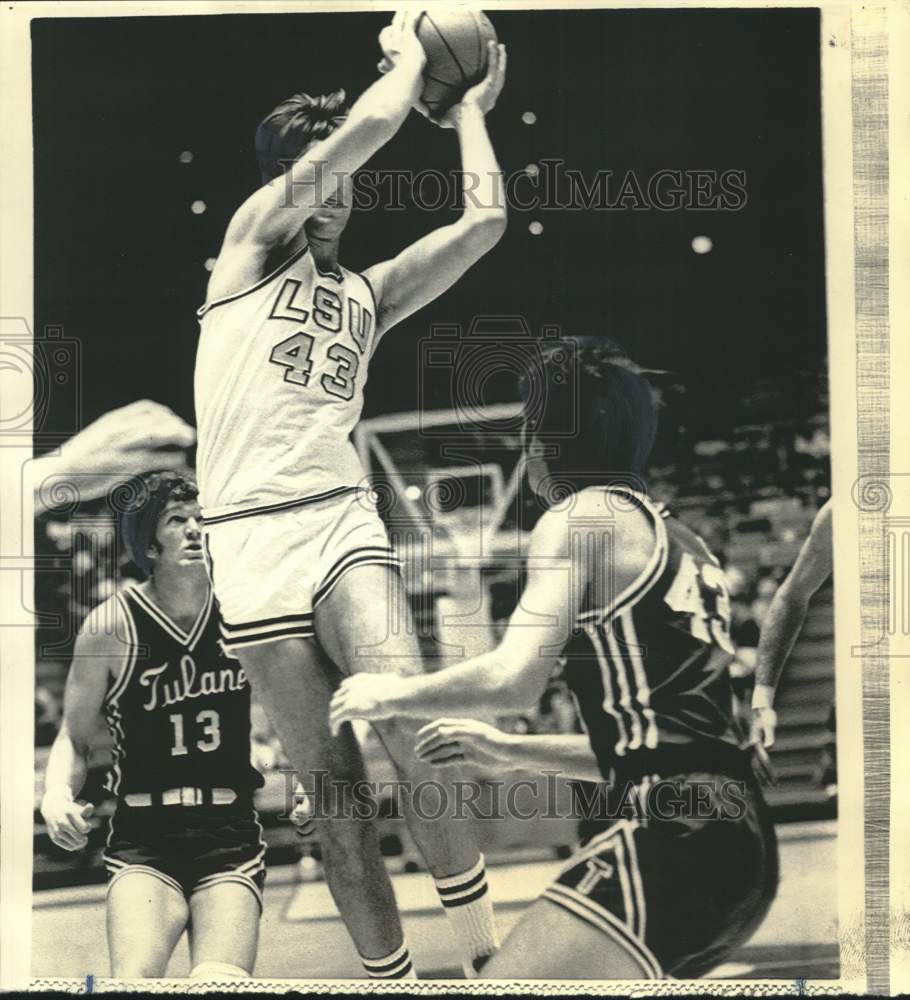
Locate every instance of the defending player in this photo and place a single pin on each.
(785, 619)
(185, 848)
(302, 567)
(683, 865)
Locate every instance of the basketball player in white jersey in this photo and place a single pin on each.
(301, 563)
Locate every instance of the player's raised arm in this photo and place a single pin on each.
(785, 619)
(428, 267)
(86, 686)
(276, 212)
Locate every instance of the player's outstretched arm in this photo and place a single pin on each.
(511, 677)
(452, 742)
(122, 443)
(423, 271)
(274, 215)
(86, 685)
(785, 619)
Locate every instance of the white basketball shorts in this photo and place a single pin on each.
(270, 571)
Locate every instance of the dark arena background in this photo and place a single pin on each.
(143, 148)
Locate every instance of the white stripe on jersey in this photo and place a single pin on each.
(629, 639)
(202, 310)
(132, 651)
(188, 639)
(115, 724)
(651, 573)
(625, 694)
(608, 704)
(607, 922)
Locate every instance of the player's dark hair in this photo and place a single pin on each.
(139, 525)
(593, 408)
(286, 132)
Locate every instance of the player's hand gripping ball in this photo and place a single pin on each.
(457, 44)
(462, 59)
(400, 44)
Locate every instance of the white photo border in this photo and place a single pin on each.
(864, 49)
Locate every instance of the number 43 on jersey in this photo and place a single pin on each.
(701, 593)
(295, 353)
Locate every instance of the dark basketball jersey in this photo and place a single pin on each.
(179, 711)
(649, 667)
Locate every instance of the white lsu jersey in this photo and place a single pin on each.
(280, 372)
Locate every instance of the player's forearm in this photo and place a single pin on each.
(568, 753)
(384, 105)
(375, 117)
(67, 768)
(778, 635)
(392, 96)
(483, 191)
(276, 210)
(475, 687)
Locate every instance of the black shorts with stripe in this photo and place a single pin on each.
(188, 847)
(681, 890)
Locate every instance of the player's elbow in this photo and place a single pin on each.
(75, 737)
(517, 691)
(503, 687)
(486, 228)
(251, 222)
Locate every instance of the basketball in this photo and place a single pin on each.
(455, 42)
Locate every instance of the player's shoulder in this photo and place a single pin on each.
(550, 536)
(628, 520)
(106, 627)
(115, 613)
(245, 274)
(101, 615)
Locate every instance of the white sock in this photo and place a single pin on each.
(395, 965)
(467, 902)
(218, 970)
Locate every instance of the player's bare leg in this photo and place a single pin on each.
(583, 951)
(223, 930)
(145, 918)
(293, 681)
(365, 624)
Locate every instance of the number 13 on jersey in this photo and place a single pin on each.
(210, 732)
